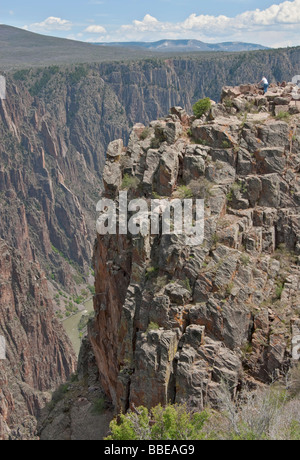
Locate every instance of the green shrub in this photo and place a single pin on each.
(151, 272)
(79, 73)
(171, 422)
(129, 182)
(92, 289)
(152, 326)
(279, 289)
(21, 75)
(184, 192)
(199, 141)
(285, 116)
(155, 143)
(229, 288)
(201, 107)
(40, 84)
(98, 406)
(228, 102)
(245, 260)
(145, 133)
(226, 145)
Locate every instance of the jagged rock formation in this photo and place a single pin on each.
(172, 320)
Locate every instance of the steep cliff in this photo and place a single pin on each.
(51, 155)
(173, 320)
(38, 355)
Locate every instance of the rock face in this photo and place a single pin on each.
(174, 320)
(38, 356)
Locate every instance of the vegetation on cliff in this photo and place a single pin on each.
(265, 414)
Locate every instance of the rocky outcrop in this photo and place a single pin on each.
(172, 321)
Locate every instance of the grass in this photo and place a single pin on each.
(283, 116)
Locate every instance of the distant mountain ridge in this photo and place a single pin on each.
(188, 46)
(21, 48)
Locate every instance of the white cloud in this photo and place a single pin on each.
(284, 13)
(94, 29)
(277, 24)
(51, 23)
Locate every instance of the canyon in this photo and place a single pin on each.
(56, 125)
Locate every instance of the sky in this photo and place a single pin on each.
(267, 22)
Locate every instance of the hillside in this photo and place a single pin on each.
(20, 48)
(184, 46)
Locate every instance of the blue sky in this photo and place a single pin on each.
(269, 22)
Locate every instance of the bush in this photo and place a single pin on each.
(201, 188)
(92, 289)
(151, 272)
(41, 84)
(79, 73)
(129, 182)
(184, 192)
(152, 326)
(98, 406)
(201, 107)
(172, 422)
(21, 75)
(145, 133)
(267, 413)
